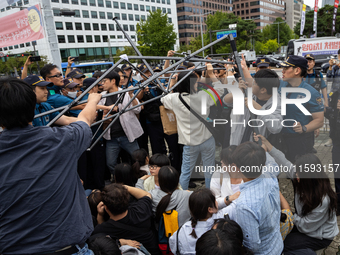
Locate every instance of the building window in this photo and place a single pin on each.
(136, 17)
(71, 39)
(83, 2)
(94, 15)
(102, 15)
(86, 14)
(115, 5)
(169, 11)
(104, 27)
(117, 15)
(16, 46)
(126, 27)
(89, 38)
(112, 36)
(108, 4)
(167, 1)
(10, 47)
(124, 16)
(97, 38)
(153, 8)
(80, 38)
(59, 26)
(26, 1)
(78, 26)
(142, 8)
(65, 1)
(117, 28)
(53, 1)
(76, 13)
(122, 6)
(170, 20)
(119, 37)
(87, 26)
(109, 15)
(164, 10)
(105, 37)
(68, 26)
(100, 3)
(61, 39)
(95, 26)
(129, 6)
(111, 27)
(131, 17)
(132, 28)
(75, 2)
(142, 17)
(147, 8)
(56, 12)
(92, 2)
(135, 7)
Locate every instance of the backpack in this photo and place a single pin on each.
(168, 225)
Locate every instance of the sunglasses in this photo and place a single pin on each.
(56, 76)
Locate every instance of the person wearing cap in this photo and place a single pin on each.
(333, 73)
(261, 63)
(40, 89)
(43, 205)
(127, 68)
(70, 88)
(315, 78)
(56, 99)
(299, 140)
(77, 76)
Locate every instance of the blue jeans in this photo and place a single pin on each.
(84, 251)
(113, 147)
(190, 155)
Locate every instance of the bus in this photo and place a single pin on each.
(88, 68)
(322, 48)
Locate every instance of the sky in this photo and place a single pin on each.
(312, 2)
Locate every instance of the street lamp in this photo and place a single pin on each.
(278, 30)
(202, 27)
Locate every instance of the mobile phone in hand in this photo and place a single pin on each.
(35, 58)
(75, 59)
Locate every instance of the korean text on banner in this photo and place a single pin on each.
(21, 27)
(336, 4)
(303, 19)
(315, 15)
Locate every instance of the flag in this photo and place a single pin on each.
(315, 15)
(336, 4)
(303, 19)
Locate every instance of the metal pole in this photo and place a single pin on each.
(278, 33)
(211, 48)
(110, 50)
(35, 53)
(201, 33)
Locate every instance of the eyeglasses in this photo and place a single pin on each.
(152, 167)
(56, 76)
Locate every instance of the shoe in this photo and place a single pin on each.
(329, 143)
(314, 150)
(192, 185)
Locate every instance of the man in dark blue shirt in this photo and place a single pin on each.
(43, 206)
(40, 88)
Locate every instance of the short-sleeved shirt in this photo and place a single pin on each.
(139, 219)
(43, 120)
(56, 99)
(43, 205)
(317, 83)
(132, 83)
(293, 112)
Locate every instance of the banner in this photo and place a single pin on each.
(336, 4)
(315, 15)
(303, 19)
(21, 27)
(5, 3)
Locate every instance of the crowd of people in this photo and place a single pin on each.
(130, 193)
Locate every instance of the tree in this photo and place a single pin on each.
(282, 29)
(260, 48)
(324, 22)
(128, 50)
(271, 45)
(156, 35)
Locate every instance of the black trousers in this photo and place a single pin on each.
(296, 240)
(297, 144)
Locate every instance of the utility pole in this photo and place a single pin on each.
(110, 50)
(278, 32)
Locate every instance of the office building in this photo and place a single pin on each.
(86, 34)
(293, 12)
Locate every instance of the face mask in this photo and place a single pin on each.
(72, 94)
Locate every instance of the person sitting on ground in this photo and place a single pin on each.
(225, 184)
(286, 219)
(128, 221)
(140, 166)
(43, 204)
(96, 206)
(40, 89)
(169, 197)
(315, 202)
(124, 175)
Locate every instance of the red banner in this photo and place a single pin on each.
(336, 5)
(21, 27)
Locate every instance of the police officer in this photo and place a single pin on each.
(315, 78)
(40, 88)
(127, 68)
(77, 76)
(298, 140)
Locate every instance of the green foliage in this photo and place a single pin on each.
(11, 63)
(128, 50)
(156, 35)
(324, 25)
(283, 30)
(260, 48)
(271, 45)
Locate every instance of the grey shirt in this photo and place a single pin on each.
(179, 199)
(317, 223)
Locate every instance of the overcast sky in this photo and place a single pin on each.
(312, 2)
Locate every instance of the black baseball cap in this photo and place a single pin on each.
(260, 62)
(126, 66)
(36, 80)
(69, 83)
(142, 68)
(295, 61)
(310, 56)
(88, 82)
(76, 73)
(157, 69)
(184, 65)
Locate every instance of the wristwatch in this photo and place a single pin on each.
(304, 129)
(227, 198)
